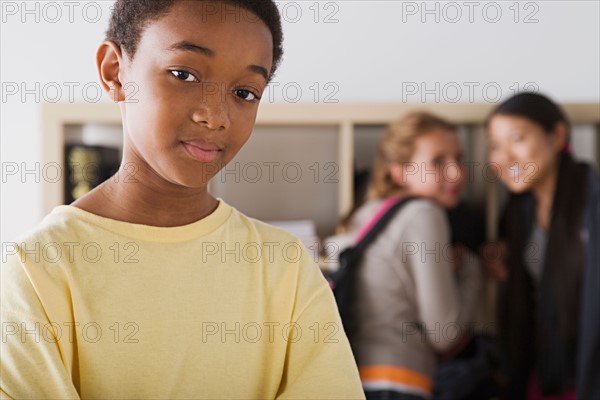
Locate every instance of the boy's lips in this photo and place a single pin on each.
(202, 151)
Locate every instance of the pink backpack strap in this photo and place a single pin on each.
(387, 204)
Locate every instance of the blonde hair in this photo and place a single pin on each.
(398, 146)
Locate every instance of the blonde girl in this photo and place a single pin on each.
(413, 300)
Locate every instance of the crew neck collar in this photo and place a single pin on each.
(196, 229)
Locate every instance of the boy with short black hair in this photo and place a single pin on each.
(148, 287)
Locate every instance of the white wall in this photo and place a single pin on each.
(376, 51)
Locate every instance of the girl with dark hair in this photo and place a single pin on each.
(549, 297)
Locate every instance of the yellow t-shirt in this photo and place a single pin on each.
(223, 308)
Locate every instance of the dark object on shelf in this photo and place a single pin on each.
(361, 184)
(467, 226)
(87, 167)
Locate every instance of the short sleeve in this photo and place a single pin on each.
(319, 362)
(32, 363)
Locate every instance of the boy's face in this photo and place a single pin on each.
(198, 74)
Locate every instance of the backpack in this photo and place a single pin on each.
(343, 280)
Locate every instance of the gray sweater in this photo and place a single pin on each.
(412, 304)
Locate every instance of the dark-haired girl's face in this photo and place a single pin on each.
(521, 152)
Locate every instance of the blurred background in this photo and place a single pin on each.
(349, 68)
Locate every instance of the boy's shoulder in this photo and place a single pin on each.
(59, 223)
(260, 229)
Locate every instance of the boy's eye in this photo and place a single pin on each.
(184, 76)
(246, 95)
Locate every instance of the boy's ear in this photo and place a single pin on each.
(109, 61)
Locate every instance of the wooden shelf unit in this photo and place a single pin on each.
(345, 118)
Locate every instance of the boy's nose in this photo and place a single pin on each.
(212, 111)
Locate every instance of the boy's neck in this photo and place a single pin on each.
(138, 203)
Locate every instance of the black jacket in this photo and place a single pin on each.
(588, 355)
(531, 339)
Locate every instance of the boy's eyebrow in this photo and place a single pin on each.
(189, 46)
(262, 71)
(185, 45)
